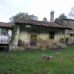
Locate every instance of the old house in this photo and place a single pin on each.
(39, 33)
(5, 35)
(70, 32)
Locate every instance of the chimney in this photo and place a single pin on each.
(52, 16)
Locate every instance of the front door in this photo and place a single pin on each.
(33, 40)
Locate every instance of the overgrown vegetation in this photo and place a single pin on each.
(14, 32)
(30, 62)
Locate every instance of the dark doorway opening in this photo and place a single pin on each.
(51, 35)
(33, 39)
(4, 48)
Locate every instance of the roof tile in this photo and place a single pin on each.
(7, 25)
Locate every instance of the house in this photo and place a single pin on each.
(36, 33)
(5, 35)
(31, 32)
(70, 32)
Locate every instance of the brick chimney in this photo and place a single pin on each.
(52, 16)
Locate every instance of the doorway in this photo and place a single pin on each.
(51, 35)
(33, 39)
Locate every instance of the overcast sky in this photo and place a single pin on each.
(40, 8)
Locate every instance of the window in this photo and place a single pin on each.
(28, 26)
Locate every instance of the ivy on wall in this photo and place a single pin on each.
(14, 31)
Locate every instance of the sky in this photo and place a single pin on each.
(40, 8)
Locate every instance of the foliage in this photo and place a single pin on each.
(15, 28)
(30, 62)
(71, 14)
(63, 16)
(22, 15)
(45, 19)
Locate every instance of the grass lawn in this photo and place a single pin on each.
(30, 62)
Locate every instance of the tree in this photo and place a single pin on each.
(63, 16)
(45, 19)
(24, 16)
(71, 14)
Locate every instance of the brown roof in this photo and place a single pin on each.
(40, 23)
(7, 25)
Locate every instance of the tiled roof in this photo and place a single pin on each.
(40, 23)
(7, 25)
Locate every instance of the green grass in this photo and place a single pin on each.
(30, 62)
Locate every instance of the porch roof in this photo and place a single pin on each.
(40, 23)
(6, 25)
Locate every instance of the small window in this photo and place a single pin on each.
(28, 26)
